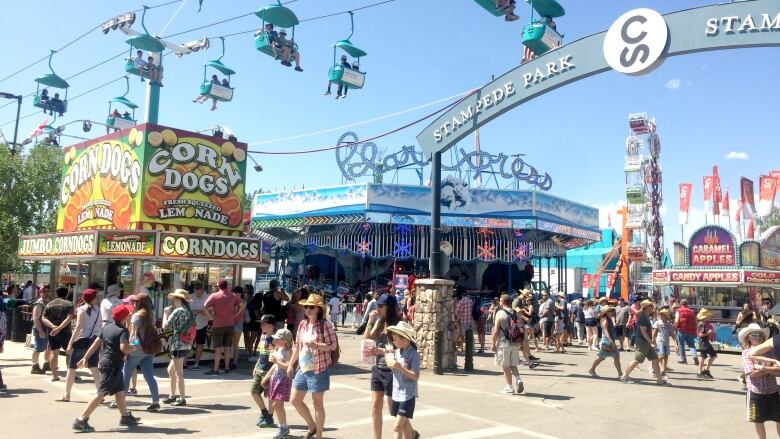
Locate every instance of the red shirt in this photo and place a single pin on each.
(224, 304)
(687, 321)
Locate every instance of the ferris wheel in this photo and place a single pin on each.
(644, 197)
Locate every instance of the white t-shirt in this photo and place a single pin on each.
(106, 306)
(335, 305)
(201, 321)
(28, 294)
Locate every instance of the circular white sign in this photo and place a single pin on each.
(635, 41)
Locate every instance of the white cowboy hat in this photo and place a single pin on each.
(753, 327)
(405, 330)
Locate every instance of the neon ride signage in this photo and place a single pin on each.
(712, 246)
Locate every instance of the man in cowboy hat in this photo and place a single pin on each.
(645, 345)
(706, 335)
(406, 373)
(760, 378)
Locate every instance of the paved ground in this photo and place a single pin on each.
(560, 401)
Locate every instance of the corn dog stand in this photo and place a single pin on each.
(713, 272)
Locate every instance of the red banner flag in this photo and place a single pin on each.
(766, 194)
(716, 196)
(611, 280)
(724, 208)
(708, 183)
(738, 213)
(747, 196)
(751, 231)
(595, 284)
(586, 280)
(685, 201)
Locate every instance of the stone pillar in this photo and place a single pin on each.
(435, 311)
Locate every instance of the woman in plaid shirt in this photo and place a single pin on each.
(763, 400)
(314, 342)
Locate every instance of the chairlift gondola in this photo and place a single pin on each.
(541, 35)
(144, 41)
(340, 74)
(41, 99)
(215, 90)
(116, 120)
(279, 16)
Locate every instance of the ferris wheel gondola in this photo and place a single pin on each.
(41, 99)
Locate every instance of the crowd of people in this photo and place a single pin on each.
(292, 341)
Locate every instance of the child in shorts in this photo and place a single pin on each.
(281, 384)
(558, 331)
(406, 373)
(262, 367)
(662, 331)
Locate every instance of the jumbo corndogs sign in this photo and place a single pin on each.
(152, 177)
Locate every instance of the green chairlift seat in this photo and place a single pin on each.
(279, 16)
(54, 81)
(217, 91)
(142, 42)
(341, 75)
(538, 35)
(120, 123)
(490, 6)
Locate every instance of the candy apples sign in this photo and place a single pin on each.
(100, 180)
(192, 180)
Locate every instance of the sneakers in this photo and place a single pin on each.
(132, 392)
(154, 407)
(532, 358)
(706, 373)
(700, 376)
(266, 420)
(169, 400)
(36, 370)
(212, 372)
(593, 373)
(82, 426)
(195, 366)
(625, 380)
(282, 432)
(533, 365)
(298, 69)
(519, 384)
(508, 390)
(181, 402)
(128, 420)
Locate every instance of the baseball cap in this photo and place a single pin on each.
(120, 313)
(386, 299)
(89, 295)
(283, 334)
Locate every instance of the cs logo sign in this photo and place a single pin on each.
(635, 41)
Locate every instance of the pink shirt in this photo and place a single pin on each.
(223, 303)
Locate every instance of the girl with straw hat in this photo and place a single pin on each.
(704, 348)
(181, 320)
(314, 342)
(760, 379)
(406, 373)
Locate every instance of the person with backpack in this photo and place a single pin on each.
(180, 320)
(507, 338)
(88, 328)
(316, 350)
(145, 344)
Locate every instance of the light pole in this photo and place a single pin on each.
(18, 110)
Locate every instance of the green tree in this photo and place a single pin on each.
(29, 189)
(773, 219)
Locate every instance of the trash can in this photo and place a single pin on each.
(17, 326)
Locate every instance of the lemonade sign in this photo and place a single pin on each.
(153, 177)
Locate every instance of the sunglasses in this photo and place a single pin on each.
(309, 307)
(756, 335)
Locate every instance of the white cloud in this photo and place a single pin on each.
(673, 84)
(737, 155)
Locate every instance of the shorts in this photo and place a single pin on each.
(466, 327)
(403, 408)
(662, 349)
(621, 331)
(708, 352)
(111, 380)
(762, 408)
(382, 380)
(59, 341)
(180, 353)
(257, 379)
(238, 328)
(200, 335)
(591, 322)
(507, 355)
(644, 351)
(604, 351)
(78, 354)
(41, 343)
(547, 326)
(222, 337)
(312, 382)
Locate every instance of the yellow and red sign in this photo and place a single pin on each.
(154, 178)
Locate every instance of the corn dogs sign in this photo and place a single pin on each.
(152, 177)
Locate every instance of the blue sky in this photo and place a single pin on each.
(706, 105)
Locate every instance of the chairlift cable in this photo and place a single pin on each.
(175, 14)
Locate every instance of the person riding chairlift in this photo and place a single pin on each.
(203, 98)
(115, 113)
(507, 6)
(344, 64)
(288, 50)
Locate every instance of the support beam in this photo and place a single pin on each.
(435, 264)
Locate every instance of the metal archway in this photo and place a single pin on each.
(635, 44)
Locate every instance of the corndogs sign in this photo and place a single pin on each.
(214, 248)
(153, 177)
